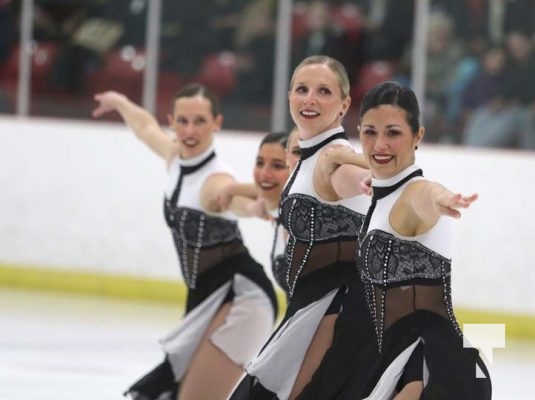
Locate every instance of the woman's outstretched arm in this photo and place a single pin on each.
(144, 125)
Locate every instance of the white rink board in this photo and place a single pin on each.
(88, 196)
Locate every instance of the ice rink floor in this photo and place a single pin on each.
(59, 347)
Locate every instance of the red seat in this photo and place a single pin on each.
(299, 21)
(367, 76)
(127, 62)
(169, 83)
(350, 18)
(44, 56)
(370, 74)
(122, 70)
(218, 72)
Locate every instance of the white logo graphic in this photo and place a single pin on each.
(484, 337)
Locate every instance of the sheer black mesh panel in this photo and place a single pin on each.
(207, 257)
(401, 301)
(321, 255)
(401, 277)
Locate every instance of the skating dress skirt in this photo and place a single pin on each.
(321, 279)
(408, 287)
(217, 269)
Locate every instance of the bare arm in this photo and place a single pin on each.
(240, 205)
(349, 181)
(248, 190)
(247, 207)
(421, 205)
(340, 173)
(144, 125)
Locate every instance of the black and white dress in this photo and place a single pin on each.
(408, 286)
(217, 268)
(278, 253)
(320, 274)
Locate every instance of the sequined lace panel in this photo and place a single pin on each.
(216, 230)
(315, 232)
(396, 260)
(201, 240)
(331, 221)
(402, 276)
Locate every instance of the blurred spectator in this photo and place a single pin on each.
(486, 83)
(7, 30)
(325, 37)
(464, 13)
(519, 87)
(184, 37)
(94, 30)
(193, 29)
(507, 120)
(254, 46)
(519, 15)
(57, 19)
(55, 24)
(444, 51)
(224, 19)
(132, 17)
(321, 35)
(390, 29)
(482, 89)
(465, 70)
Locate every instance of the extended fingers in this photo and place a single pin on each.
(471, 198)
(449, 211)
(465, 201)
(365, 187)
(101, 107)
(97, 112)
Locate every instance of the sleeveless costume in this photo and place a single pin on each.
(278, 254)
(408, 286)
(320, 274)
(217, 269)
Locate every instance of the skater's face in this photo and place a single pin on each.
(388, 141)
(316, 100)
(271, 172)
(194, 124)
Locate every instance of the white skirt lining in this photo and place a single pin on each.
(240, 337)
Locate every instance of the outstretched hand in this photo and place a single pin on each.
(108, 101)
(366, 186)
(449, 203)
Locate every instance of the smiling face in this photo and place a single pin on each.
(388, 142)
(316, 100)
(194, 124)
(271, 172)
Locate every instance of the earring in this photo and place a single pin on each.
(416, 147)
(341, 114)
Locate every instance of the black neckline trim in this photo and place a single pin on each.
(380, 192)
(307, 152)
